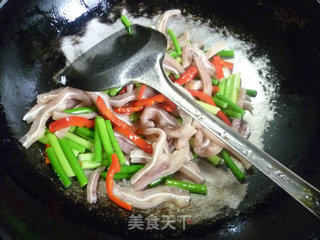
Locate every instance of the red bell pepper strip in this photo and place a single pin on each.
(223, 117)
(217, 64)
(142, 144)
(150, 101)
(70, 122)
(106, 113)
(167, 107)
(127, 109)
(171, 76)
(114, 168)
(123, 90)
(204, 97)
(215, 89)
(189, 74)
(141, 91)
(226, 64)
(46, 159)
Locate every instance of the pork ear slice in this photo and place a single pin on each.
(163, 22)
(121, 100)
(215, 49)
(191, 170)
(151, 198)
(161, 164)
(171, 65)
(154, 116)
(59, 103)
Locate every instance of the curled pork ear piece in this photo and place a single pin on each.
(171, 65)
(163, 22)
(161, 164)
(59, 115)
(154, 116)
(123, 99)
(151, 198)
(59, 103)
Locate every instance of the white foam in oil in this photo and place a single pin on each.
(224, 190)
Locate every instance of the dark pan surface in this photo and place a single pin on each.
(31, 206)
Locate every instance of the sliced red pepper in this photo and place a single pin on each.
(46, 159)
(215, 89)
(223, 117)
(139, 131)
(141, 91)
(150, 101)
(171, 104)
(217, 64)
(189, 74)
(114, 168)
(226, 64)
(171, 76)
(123, 90)
(70, 122)
(127, 109)
(142, 144)
(204, 97)
(106, 113)
(167, 107)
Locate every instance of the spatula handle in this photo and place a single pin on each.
(298, 188)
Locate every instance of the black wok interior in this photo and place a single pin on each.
(32, 206)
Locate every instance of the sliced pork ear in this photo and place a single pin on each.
(186, 56)
(194, 85)
(94, 95)
(215, 49)
(36, 109)
(139, 156)
(152, 197)
(241, 96)
(38, 126)
(48, 96)
(203, 147)
(171, 65)
(92, 187)
(33, 112)
(196, 52)
(204, 75)
(59, 115)
(155, 116)
(125, 144)
(161, 164)
(121, 100)
(163, 22)
(208, 135)
(191, 170)
(182, 134)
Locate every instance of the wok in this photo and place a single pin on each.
(32, 206)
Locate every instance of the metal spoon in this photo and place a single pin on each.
(122, 59)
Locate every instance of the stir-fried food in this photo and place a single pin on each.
(135, 133)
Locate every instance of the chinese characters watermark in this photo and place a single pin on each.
(153, 222)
